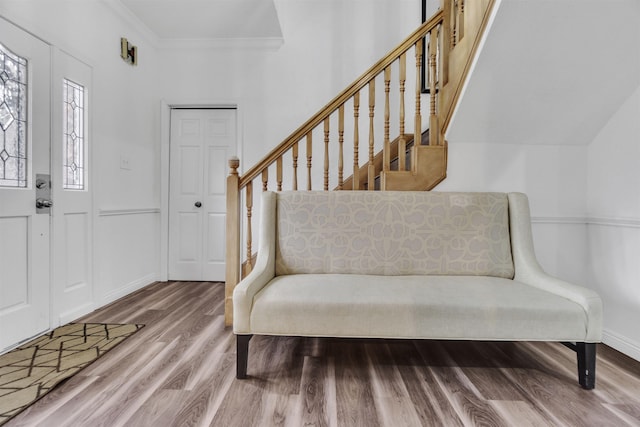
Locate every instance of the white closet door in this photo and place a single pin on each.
(201, 142)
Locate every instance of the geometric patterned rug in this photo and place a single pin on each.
(30, 371)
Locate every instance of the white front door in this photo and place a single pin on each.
(72, 218)
(24, 156)
(201, 142)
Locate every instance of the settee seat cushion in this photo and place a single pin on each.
(430, 307)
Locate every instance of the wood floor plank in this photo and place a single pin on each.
(389, 388)
(205, 399)
(520, 413)
(179, 370)
(427, 397)
(618, 374)
(472, 409)
(55, 402)
(134, 389)
(242, 405)
(277, 361)
(157, 410)
(313, 393)
(356, 406)
(460, 391)
(281, 410)
(629, 414)
(560, 401)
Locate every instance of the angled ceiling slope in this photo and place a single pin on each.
(202, 23)
(551, 72)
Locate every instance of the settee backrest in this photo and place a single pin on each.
(393, 233)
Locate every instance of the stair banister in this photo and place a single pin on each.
(340, 99)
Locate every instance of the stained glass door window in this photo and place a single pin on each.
(13, 119)
(73, 136)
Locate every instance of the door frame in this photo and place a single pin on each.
(165, 138)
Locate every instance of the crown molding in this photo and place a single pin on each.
(253, 43)
(130, 18)
(249, 43)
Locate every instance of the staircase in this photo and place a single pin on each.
(443, 49)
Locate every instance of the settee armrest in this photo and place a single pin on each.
(586, 298)
(529, 271)
(262, 272)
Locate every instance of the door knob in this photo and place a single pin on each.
(198, 204)
(43, 203)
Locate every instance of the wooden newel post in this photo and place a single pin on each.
(232, 276)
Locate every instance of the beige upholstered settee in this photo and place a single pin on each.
(416, 265)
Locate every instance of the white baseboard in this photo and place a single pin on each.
(127, 289)
(622, 344)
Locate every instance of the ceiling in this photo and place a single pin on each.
(202, 20)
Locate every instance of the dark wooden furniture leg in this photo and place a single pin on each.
(586, 364)
(242, 355)
(586, 353)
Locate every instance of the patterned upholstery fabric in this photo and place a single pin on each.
(393, 233)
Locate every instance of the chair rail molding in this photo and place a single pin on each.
(133, 211)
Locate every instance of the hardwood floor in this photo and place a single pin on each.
(180, 371)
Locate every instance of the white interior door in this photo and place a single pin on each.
(24, 154)
(72, 218)
(201, 142)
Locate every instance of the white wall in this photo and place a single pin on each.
(614, 224)
(554, 179)
(124, 123)
(327, 45)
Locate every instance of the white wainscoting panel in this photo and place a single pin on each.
(128, 251)
(614, 272)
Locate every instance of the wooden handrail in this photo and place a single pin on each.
(343, 97)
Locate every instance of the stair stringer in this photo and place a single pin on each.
(428, 169)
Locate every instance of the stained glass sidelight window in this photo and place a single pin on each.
(13, 119)
(73, 136)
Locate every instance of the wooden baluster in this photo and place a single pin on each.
(279, 173)
(309, 155)
(249, 209)
(386, 154)
(356, 138)
(341, 147)
(265, 179)
(294, 153)
(402, 143)
(417, 135)
(434, 127)
(460, 20)
(326, 154)
(232, 257)
(371, 170)
(454, 19)
(445, 48)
